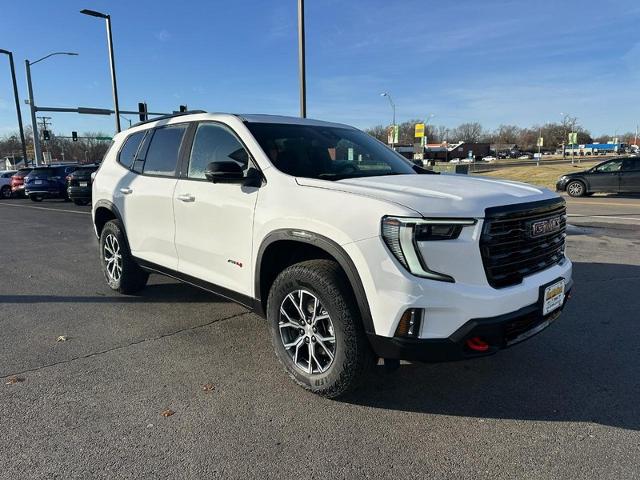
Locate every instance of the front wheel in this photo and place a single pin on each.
(576, 189)
(81, 201)
(120, 270)
(316, 328)
(5, 192)
(35, 198)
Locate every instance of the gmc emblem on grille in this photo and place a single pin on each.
(543, 227)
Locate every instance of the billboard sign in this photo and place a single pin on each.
(392, 134)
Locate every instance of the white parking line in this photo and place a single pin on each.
(635, 219)
(45, 208)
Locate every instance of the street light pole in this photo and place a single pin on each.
(302, 75)
(393, 108)
(17, 100)
(112, 64)
(32, 104)
(37, 153)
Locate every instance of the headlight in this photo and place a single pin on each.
(402, 234)
(563, 177)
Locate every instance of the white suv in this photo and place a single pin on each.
(351, 252)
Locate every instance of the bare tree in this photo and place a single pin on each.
(507, 134)
(379, 132)
(467, 132)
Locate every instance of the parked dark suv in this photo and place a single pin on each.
(79, 185)
(621, 175)
(47, 182)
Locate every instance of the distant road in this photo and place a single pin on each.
(484, 166)
(608, 209)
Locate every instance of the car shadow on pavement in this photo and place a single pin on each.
(156, 293)
(585, 367)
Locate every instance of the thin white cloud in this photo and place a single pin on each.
(163, 35)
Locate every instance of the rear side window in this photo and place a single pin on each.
(631, 164)
(162, 156)
(129, 149)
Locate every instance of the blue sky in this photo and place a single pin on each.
(490, 61)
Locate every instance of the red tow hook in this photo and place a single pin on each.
(477, 344)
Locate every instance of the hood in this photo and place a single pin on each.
(438, 195)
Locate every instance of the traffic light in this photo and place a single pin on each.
(74, 136)
(46, 135)
(142, 111)
(183, 108)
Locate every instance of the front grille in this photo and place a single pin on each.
(510, 252)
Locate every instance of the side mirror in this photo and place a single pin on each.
(224, 172)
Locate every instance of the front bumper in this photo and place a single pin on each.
(498, 332)
(561, 185)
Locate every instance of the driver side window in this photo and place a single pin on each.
(612, 166)
(215, 143)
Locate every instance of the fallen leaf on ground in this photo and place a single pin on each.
(207, 387)
(13, 380)
(167, 413)
(61, 338)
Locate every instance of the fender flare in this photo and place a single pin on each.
(113, 209)
(333, 249)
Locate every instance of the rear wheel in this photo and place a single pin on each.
(5, 192)
(36, 198)
(316, 328)
(81, 201)
(576, 189)
(120, 270)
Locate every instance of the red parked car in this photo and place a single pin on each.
(17, 181)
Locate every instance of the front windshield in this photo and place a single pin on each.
(328, 153)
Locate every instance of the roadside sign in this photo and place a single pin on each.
(573, 138)
(419, 130)
(540, 142)
(392, 134)
(537, 155)
(104, 138)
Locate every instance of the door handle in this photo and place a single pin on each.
(126, 190)
(187, 197)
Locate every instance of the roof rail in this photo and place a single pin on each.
(172, 115)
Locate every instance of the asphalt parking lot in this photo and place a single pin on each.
(562, 405)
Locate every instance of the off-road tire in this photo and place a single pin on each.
(353, 357)
(132, 278)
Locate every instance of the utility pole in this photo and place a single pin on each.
(17, 100)
(302, 75)
(45, 124)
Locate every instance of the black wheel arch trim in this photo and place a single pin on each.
(330, 247)
(113, 209)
